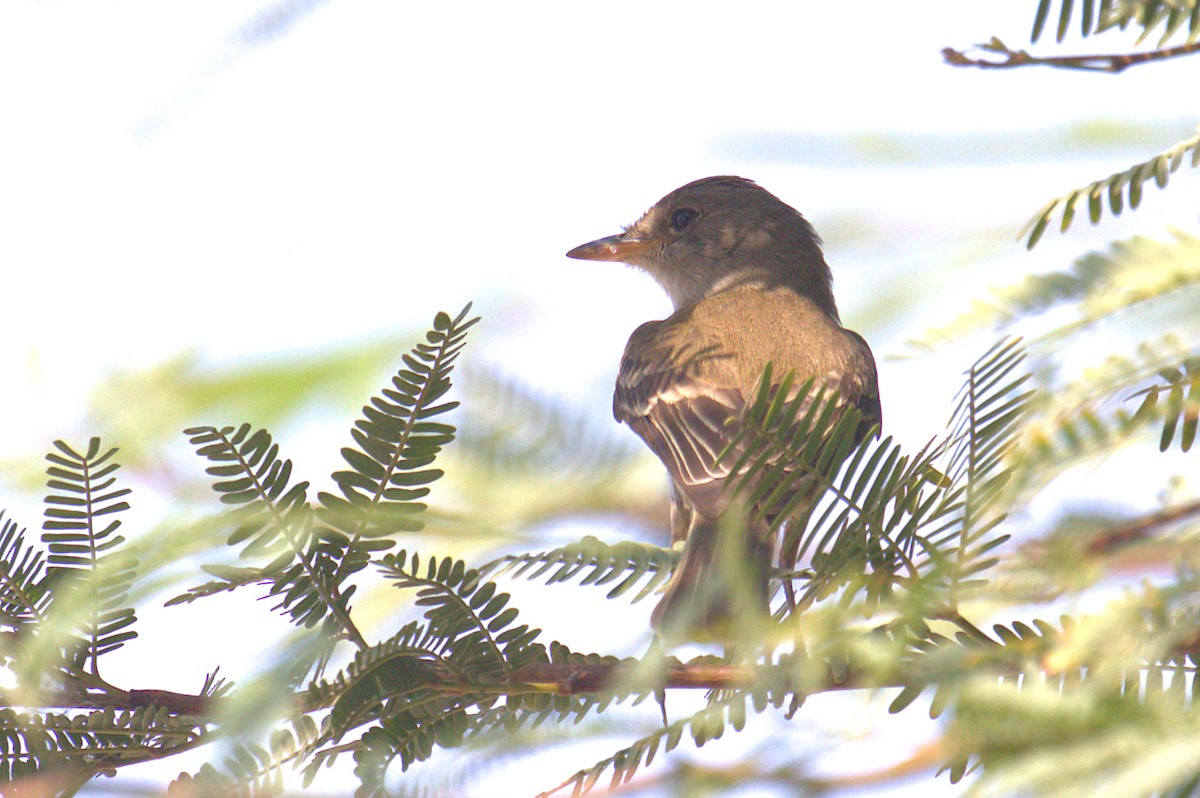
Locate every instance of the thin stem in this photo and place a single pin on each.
(401, 445)
(1142, 528)
(95, 588)
(1111, 62)
(281, 524)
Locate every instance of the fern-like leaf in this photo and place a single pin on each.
(792, 453)
(886, 516)
(228, 579)
(710, 723)
(475, 619)
(73, 747)
(273, 520)
(982, 430)
(247, 770)
(423, 677)
(515, 429)
(397, 442)
(1080, 420)
(84, 550)
(1180, 412)
(311, 554)
(1099, 285)
(593, 562)
(1148, 15)
(1117, 189)
(24, 590)
(254, 769)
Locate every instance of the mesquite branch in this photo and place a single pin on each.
(999, 56)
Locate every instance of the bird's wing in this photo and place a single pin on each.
(859, 385)
(676, 396)
(684, 398)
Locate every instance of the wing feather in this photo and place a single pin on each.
(684, 396)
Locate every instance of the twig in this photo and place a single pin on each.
(1133, 546)
(1141, 529)
(176, 703)
(571, 679)
(560, 679)
(1111, 62)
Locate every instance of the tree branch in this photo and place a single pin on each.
(1111, 63)
(559, 679)
(176, 703)
(1112, 541)
(574, 679)
(1141, 528)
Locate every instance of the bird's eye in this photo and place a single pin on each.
(682, 219)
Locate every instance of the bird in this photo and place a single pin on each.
(749, 286)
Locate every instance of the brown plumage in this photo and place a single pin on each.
(750, 287)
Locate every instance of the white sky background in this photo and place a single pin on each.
(376, 162)
(162, 163)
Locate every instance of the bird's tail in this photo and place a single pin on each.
(720, 590)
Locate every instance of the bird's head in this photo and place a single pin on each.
(716, 233)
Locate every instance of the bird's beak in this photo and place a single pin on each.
(625, 248)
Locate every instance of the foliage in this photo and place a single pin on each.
(1147, 15)
(84, 551)
(899, 535)
(1169, 20)
(627, 563)
(1119, 189)
(1181, 412)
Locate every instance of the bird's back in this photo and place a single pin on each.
(684, 379)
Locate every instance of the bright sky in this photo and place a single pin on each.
(204, 176)
(374, 162)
